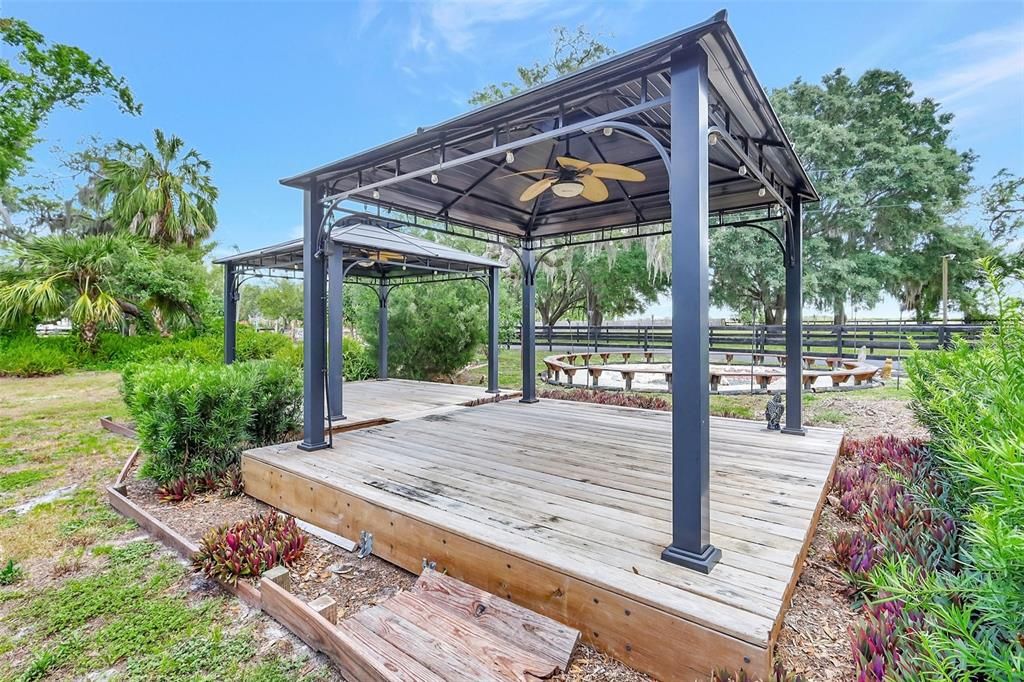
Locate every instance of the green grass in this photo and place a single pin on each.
(22, 479)
(106, 604)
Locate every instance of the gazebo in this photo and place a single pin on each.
(688, 114)
(359, 249)
(578, 511)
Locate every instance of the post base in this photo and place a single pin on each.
(529, 401)
(382, 378)
(338, 418)
(702, 562)
(495, 391)
(310, 447)
(794, 432)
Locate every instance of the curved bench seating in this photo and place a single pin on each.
(840, 370)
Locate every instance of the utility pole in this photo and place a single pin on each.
(945, 287)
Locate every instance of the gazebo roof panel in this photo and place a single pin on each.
(364, 241)
(479, 193)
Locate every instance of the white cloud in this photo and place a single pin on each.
(464, 25)
(368, 11)
(977, 64)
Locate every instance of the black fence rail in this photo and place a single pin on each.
(881, 339)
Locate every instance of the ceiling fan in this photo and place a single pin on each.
(577, 178)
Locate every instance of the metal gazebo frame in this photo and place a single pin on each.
(367, 250)
(688, 112)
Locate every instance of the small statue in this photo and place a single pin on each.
(773, 412)
(887, 369)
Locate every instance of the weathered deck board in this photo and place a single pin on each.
(565, 507)
(396, 399)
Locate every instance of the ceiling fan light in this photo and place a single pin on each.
(365, 263)
(567, 188)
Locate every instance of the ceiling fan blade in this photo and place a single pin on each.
(529, 172)
(614, 171)
(593, 189)
(536, 188)
(569, 162)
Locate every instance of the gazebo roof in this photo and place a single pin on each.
(564, 117)
(373, 248)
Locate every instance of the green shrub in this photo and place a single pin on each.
(434, 331)
(194, 419)
(359, 364)
(972, 401)
(21, 356)
(276, 399)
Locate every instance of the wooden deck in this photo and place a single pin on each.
(564, 508)
(372, 401)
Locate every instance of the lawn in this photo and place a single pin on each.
(89, 592)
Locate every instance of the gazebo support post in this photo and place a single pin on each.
(492, 330)
(382, 330)
(313, 314)
(794, 321)
(688, 193)
(528, 340)
(230, 313)
(335, 330)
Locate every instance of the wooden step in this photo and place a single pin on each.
(442, 629)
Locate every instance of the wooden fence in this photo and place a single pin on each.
(881, 339)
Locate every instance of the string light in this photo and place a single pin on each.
(742, 170)
(607, 132)
(761, 191)
(376, 194)
(433, 178)
(713, 139)
(510, 157)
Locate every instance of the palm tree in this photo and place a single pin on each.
(67, 276)
(161, 194)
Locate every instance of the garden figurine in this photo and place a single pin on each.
(773, 412)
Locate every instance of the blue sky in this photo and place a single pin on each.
(264, 90)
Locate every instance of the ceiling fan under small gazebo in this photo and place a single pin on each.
(578, 178)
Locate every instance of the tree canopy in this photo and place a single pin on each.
(42, 77)
(161, 193)
(890, 181)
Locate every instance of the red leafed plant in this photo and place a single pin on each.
(249, 547)
(617, 398)
(881, 640)
(178, 490)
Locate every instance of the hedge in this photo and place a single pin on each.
(193, 419)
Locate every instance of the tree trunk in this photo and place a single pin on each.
(776, 312)
(839, 311)
(88, 334)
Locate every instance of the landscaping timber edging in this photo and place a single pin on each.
(120, 429)
(117, 497)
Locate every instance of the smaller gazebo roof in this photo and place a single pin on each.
(372, 249)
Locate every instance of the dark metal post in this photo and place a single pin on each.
(528, 338)
(230, 313)
(382, 331)
(794, 322)
(493, 290)
(688, 192)
(335, 330)
(313, 314)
